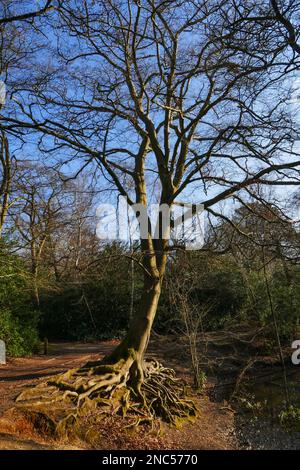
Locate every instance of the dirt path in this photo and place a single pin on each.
(213, 429)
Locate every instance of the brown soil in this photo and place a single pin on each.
(214, 429)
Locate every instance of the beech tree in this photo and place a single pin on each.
(175, 95)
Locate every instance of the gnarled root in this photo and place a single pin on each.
(165, 398)
(124, 388)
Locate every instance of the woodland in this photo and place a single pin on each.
(171, 102)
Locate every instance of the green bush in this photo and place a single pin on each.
(215, 282)
(97, 308)
(290, 418)
(18, 317)
(235, 293)
(101, 314)
(20, 340)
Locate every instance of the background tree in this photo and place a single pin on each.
(6, 179)
(16, 25)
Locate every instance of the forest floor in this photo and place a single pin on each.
(240, 367)
(213, 429)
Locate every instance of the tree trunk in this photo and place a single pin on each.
(137, 338)
(138, 334)
(5, 186)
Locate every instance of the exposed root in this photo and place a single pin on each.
(124, 388)
(165, 398)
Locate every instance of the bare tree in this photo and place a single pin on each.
(168, 92)
(182, 284)
(37, 215)
(15, 50)
(6, 179)
(69, 247)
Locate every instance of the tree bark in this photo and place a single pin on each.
(138, 335)
(137, 338)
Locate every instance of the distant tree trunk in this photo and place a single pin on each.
(5, 185)
(35, 272)
(36, 293)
